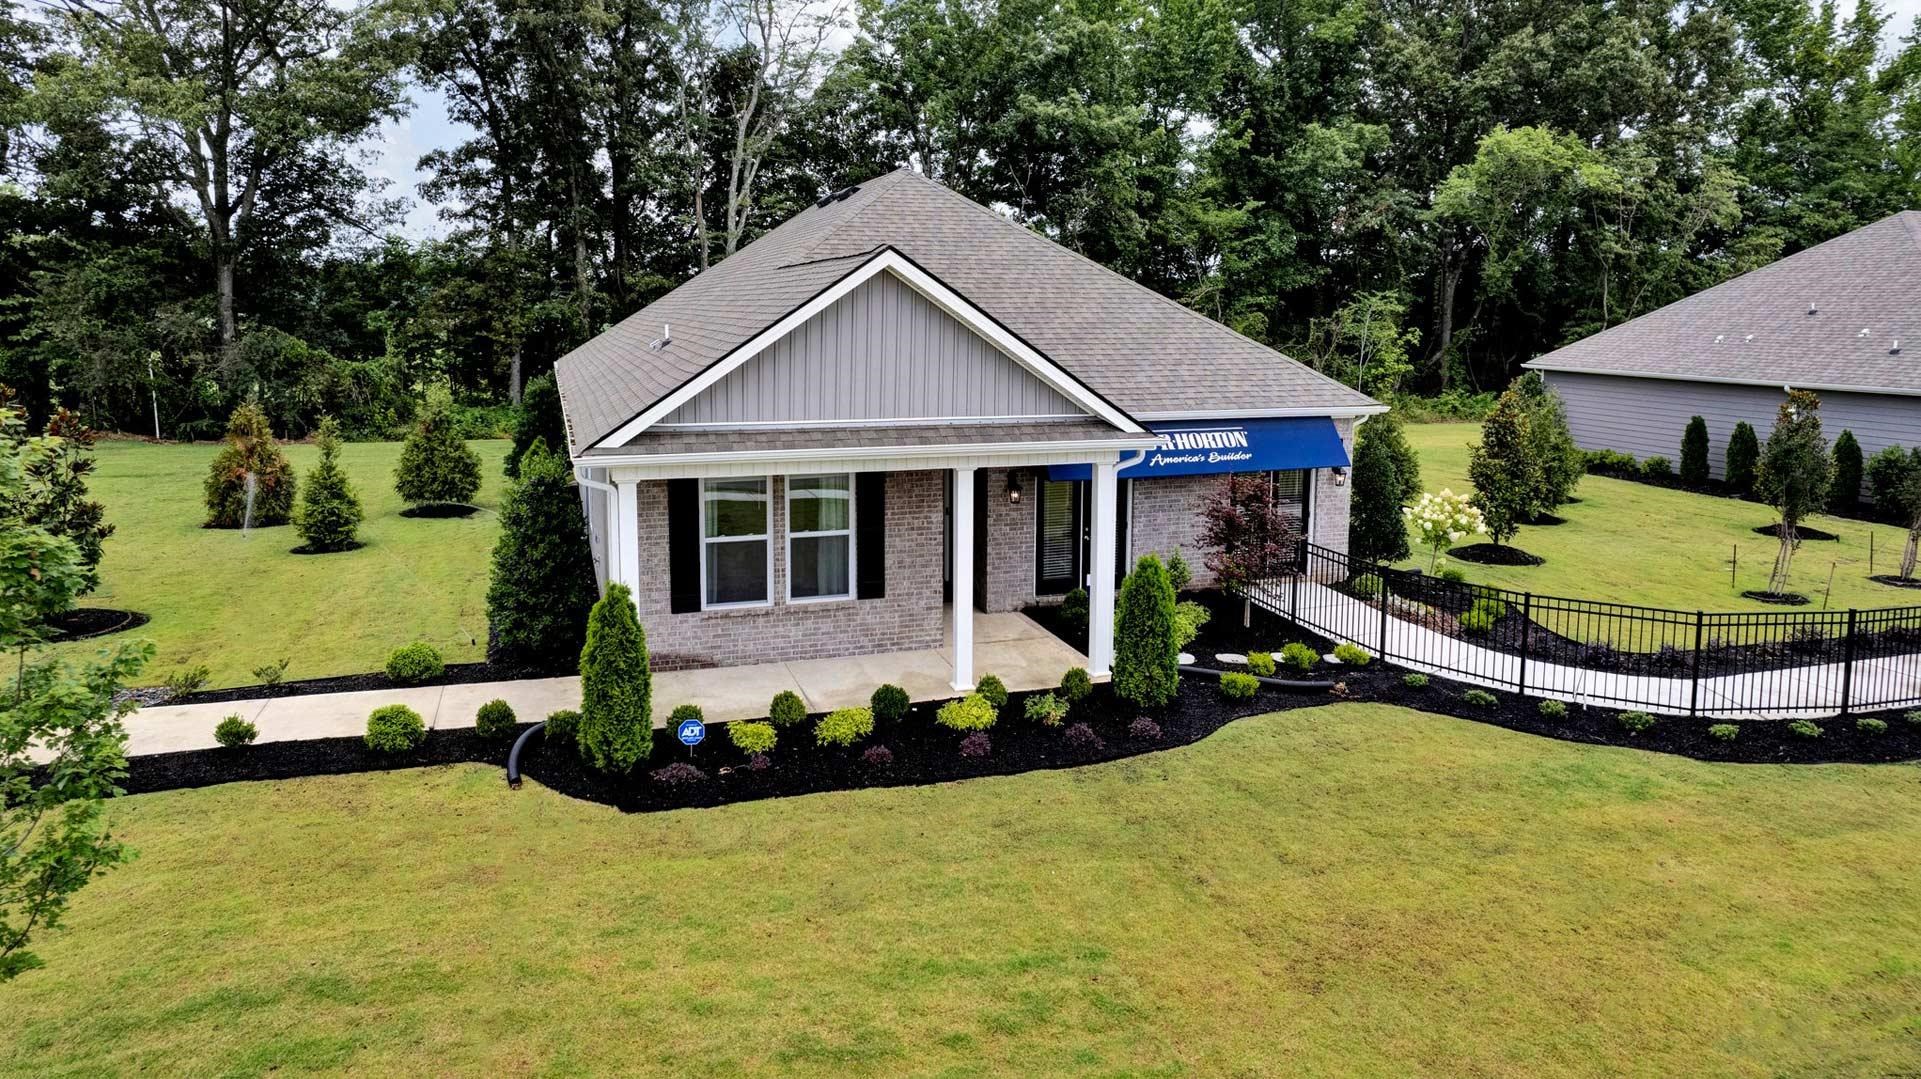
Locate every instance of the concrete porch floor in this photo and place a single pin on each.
(1009, 645)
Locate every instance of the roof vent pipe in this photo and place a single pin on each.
(1813, 309)
(1896, 350)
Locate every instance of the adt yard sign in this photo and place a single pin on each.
(691, 732)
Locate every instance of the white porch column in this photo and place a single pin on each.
(963, 553)
(1100, 588)
(624, 537)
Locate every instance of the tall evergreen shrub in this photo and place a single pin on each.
(1504, 472)
(616, 687)
(1845, 494)
(1146, 658)
(1744, 458)
(1694, 454)
(1376, 528)
(536, 418)
(250, 450)
(329, 514)
(436, 465)
(543, 572)
(1550, 445)
(61, 503)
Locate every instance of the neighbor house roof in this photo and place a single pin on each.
(1146, 354)
(1825, 318)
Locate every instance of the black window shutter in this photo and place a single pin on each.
(870, 534)
(683, 545)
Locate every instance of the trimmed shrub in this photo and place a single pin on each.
(1637, 721)
(1377, 531)
(1236, 686)
(329, 514)
(1494, 607)
(543, 571)
(1351, 654)
(1845, 493)
(1613, 463)
(1507, 476)
(1146, 660)
(1298, 657)
(1552, 708)
(250, 450)
(234, 732)
(1366, 586)
(1189, 617)
(1082, 737)
(752, 737)
(395, 728)
(1694, 454)
(1476, 620)
(889, 703)
(1549, 441)
(562, 726)
(1179, 574)
(993, 689)
(877, 757)
(1724, 732)
(537, 418)
(1805, 728)
(1453, 575)
(435, 464)
(788, 709)
(1414, 680)
(1913, 717)
(1074, 611)
(976, 745)
(412, 663)
(1046, 709)
(970, 713)
(1145, 729)
(1657, 469)
(679, 774)
(759, 762)
(1076, 684)
(1744, 459)
(1480, 698)
(1871, 725)
(187, 680)
(1261, 663)
(616, 686)
(844, 726)
(495, 719)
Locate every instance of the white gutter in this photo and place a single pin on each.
(844, 453)
(613, 514)
(1347, 413)
(1893, 391)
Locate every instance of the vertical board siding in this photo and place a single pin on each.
(881, 352)
(1645, 416)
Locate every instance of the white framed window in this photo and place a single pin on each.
(820, 537)
(736, 555)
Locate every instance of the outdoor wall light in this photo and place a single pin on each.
(1340, 476)
(1013, 488)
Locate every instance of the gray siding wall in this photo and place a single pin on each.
(883, 351)
(1645, 416)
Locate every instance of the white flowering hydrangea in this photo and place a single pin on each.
(1442, 520)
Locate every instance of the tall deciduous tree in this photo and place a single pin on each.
(1794, 476)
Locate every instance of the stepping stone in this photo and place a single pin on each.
(1187, 659)
(1331, 658)
(1233, 659)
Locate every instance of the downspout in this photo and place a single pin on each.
(611, 554)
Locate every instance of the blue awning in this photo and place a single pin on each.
(1196, 448)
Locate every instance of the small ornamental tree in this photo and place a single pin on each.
(1897, 493)
(1377, 528)
(1245, 532)
(329, 514)
(1550, 445)
(1744, 457)
(1845, 493)
(616, 728)
(543, 573)
(250, 452)
(1442, 520)
(436, 465)
(1505, 474)
(536, 418)
(1694, 454)
(1794, 476)
(60, 505)
(1146, 658)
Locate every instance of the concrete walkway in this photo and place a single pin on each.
(1790, 693)
(1012, 646)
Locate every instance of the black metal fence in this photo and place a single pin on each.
(1761, 663)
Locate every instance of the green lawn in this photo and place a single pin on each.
(1352, 890)
(1634, 543)
(235, 602)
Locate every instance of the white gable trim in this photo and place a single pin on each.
(953, 303)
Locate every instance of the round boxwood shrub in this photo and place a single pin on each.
(1414, 680)
(1477, 620)
(1637, 721)
(1452, 575)
(752, 737)
(1046, 709)
(844, 726)
(787, 709)
(1871, 725)
(1261, 663)
(234, 732)
(1298, 656)
(1076, 684)
(1367, 585)
(562, 725)
(1480, 698)
(416, 662)
(889, 703)
(395, 728)
(1805, 728)
(495, 719)
(1236, 686)
(1552, 708)
(1724, 732)
(991, 687)
(970, 713)
(1351, 654)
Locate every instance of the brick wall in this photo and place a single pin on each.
(908, 617)
(1009, 583)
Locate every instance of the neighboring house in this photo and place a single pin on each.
(1842, 319)
(899, 400)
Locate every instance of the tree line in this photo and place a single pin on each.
(1412, 196)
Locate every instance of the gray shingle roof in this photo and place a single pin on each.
(1757, 328)
(683, 440)
(1138, 349)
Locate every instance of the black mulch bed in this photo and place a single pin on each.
(306, 549)
(1773, 531)
(84, 622)
(1544, 520)
(440, 509)
(456, 674)
(1896, 581)
(1494, 554)
(1779, 599)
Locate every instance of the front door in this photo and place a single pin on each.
(1064, 545)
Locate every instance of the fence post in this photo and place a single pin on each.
(1694, 672)
(1381, 573)
(1847, 664)
(1527, 634)
(1294, 597)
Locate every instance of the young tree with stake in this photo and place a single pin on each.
(1794, 476)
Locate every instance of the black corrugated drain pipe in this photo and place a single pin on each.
(513, 755)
